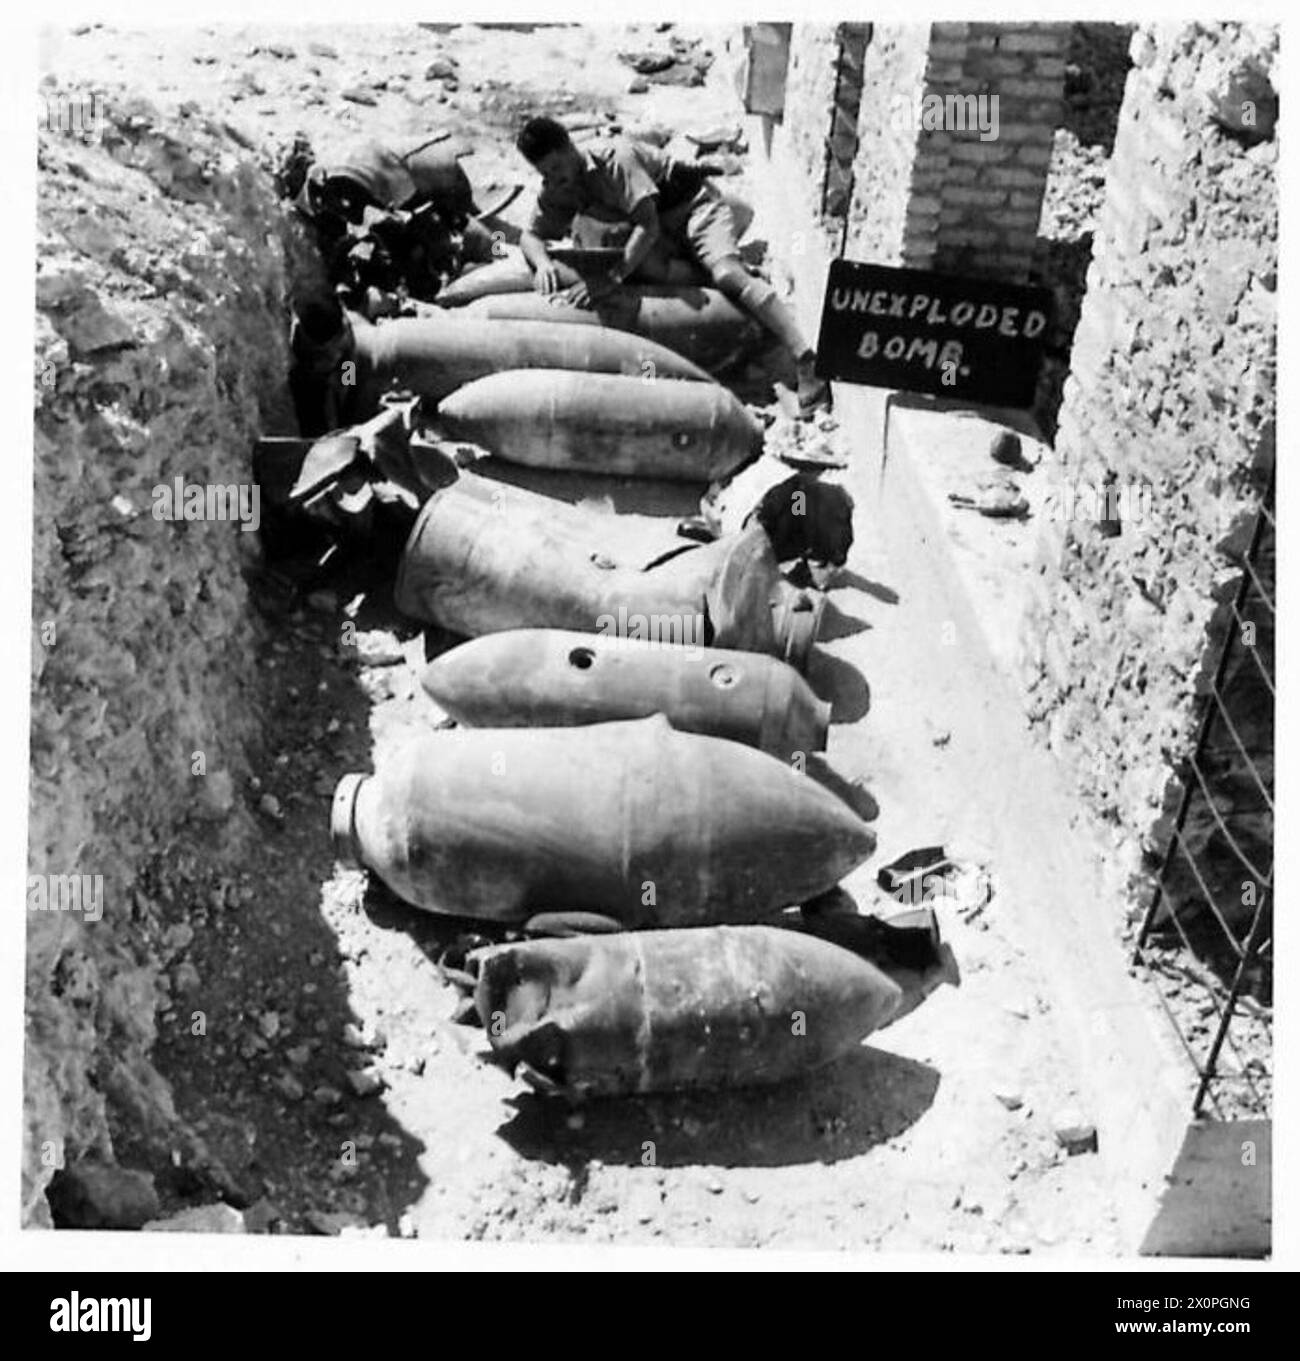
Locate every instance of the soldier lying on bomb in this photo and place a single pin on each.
(673, 209)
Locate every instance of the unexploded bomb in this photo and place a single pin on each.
(559, 678)
(668, 1010)
(701, 324)
(484, 556)
(433, 356)
(634, 821)
(605, 423)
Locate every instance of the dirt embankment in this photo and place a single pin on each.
(160, 354)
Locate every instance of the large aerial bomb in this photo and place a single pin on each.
(555, 678)
(700, 323)
(484, 556)
(605, 423)
(434, 355)
(632, 821)
(633, 1012)
(508, 273)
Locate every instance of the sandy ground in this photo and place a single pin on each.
(936, 1136)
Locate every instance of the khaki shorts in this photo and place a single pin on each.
(704, 228)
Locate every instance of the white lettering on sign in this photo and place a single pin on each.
(911, 350)
(1008, 321)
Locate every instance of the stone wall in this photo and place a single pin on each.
(893, 77)
(1171, 403)
(809, 99)
(160, 354)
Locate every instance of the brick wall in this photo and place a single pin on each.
(854, 40)
(977, 192)
(963, 196)
(1171, 395)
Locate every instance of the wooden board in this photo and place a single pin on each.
(975, 340)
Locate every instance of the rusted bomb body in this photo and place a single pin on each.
(633, 821)
(605, 423)
(484, 556)
(676, 1010)
(558, 678)
(434, 355)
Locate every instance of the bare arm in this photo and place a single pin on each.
(546, 276)
(645, 232)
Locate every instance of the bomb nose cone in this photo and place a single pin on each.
(441, 679)
(472, 674)
(343, 821)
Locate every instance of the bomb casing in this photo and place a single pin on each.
(484, 556)
(434, 355)
(631, 820)
(561, 678)
(605, 423)
(701, 324)
(673, 1010)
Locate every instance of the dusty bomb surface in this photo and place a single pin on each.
(605, 423)
(701, 324)
(484, 556)
(633, 821)
(434, 355)
(511, 273)
(559, 678)
(671, 1010)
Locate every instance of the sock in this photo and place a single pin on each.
(760, 299)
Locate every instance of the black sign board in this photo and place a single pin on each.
(973, 339)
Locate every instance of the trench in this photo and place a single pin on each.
(329, 1088)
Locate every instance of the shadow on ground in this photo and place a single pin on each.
(863, 1099)
(262, 1077)
(842, 683)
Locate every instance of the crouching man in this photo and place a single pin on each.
(389, 225)
(668, 204)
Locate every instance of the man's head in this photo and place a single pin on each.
(545, 145)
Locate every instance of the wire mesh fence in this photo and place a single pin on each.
(1207, 935)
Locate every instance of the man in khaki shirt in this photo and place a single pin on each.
(667, 203)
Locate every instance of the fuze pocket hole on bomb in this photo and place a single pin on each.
(582, 658)
(723, 676)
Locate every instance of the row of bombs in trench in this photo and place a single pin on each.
(649, 868)
(629, 805)
(598, 784)
(547, 395)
